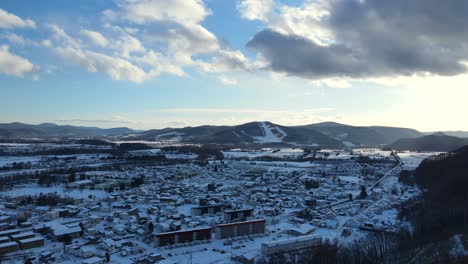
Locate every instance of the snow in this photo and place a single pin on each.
(344, 135)
(412, 160)
(352, 179)
(281, 132)
(269, 136)
(280, 153)
(60, 190)
(459, 249)
(6, 161)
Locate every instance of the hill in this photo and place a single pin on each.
(435, 142)
(249, 133)
(362, 135)
(49, 130)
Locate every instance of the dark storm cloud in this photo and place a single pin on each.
(376, 38)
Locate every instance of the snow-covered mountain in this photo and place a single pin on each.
(322, 134)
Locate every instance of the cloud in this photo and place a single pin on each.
(14, 38)
(333, 83)
(225, 61)
(123, 58)
(365, 39)
(11, 64)
(225, 80)
(243, 110)
(116, 68)
(159, 63)
(128, 44)
(96, 37)
(60, 35)
(175, 26)
(10, 21)
(150, 11)
(256, 9)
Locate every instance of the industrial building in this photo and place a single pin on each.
(238, 215)
(208, 209)
(290, 245)
(184, 236)
(240, 229)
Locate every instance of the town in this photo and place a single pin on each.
(86, 203)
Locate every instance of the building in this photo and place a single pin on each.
(183, 236)
(33, 242)
(22, 236)
(290, 245)
(8, 247)
(238, 215)
(208, 209)
(61, 232)
(94, 260)
(9, 232)
(245, 228)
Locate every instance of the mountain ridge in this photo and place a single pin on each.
(324, 134)
(438, 141)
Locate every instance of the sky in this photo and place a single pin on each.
(173, 63)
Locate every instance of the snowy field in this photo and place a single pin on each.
(265, 152)
(60, 190)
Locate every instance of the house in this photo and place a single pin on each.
(61, 232)
(302, 230)
(94, 260)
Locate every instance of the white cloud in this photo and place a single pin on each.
(46, 43)
(160, 64)
(61, 35)
(14, 38)
(149, 11)
(183, 38)
(116, 68)
(9, 21)
(127, 45)
(125, 57)
(225, 61)
(191, 39)
(306, 21)
(256, 9)
(333, 83)
(225, 80)
(11, 64)
(96, 37)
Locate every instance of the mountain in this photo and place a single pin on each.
(327, 134)
(461, 134)
(362, 135)
(249, 133)
(435, 142)
(49, 130)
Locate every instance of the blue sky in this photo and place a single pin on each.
(158, 63)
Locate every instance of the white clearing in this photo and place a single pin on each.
(269, 136)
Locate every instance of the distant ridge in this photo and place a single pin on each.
(323, 135)
(326, 134)
(436, 142)
(50, 130)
